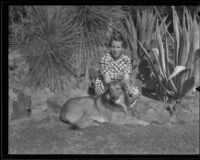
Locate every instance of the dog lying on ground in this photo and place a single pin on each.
(82, 112)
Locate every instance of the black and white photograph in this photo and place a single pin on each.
(103, 79)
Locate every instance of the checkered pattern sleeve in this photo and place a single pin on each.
(128, 67)
(105, 64)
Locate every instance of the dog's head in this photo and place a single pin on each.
(115, 89)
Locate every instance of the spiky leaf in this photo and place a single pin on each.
(161, 49)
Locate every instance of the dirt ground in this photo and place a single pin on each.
(47, 135)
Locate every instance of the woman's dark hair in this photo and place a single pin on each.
(117, 36)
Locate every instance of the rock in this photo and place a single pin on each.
(21, 72)
(77, 92)
(152, 116)
(164, 115)
(172, 119)
(13, 84)
(194, 109)
(195, 112)
(151, 111)
(38, 96)
(13, 95)
(155, 111)
(183, 113)
(21, 107)
(60, 97)
(37, 101)
(12, 58)
(53, 106)
(140, 109)
(188, 110)
(39, 109)
(17, 65)
(184, 116)
(143, 104)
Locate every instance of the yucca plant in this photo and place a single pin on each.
(95, 23)
(176, 78)
(49, 51)
(61, 33)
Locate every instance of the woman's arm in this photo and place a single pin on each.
(127, 72)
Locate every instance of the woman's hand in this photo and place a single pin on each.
(107, 78)
(127, 79)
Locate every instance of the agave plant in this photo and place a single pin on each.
(146, 24)
(176, 78)
(131, 35)
(142, 29)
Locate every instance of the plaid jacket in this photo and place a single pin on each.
(115, 69)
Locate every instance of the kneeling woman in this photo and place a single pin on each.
(115, 66)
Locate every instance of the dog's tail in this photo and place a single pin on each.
(53, 106)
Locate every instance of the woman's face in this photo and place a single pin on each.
(116, 49)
